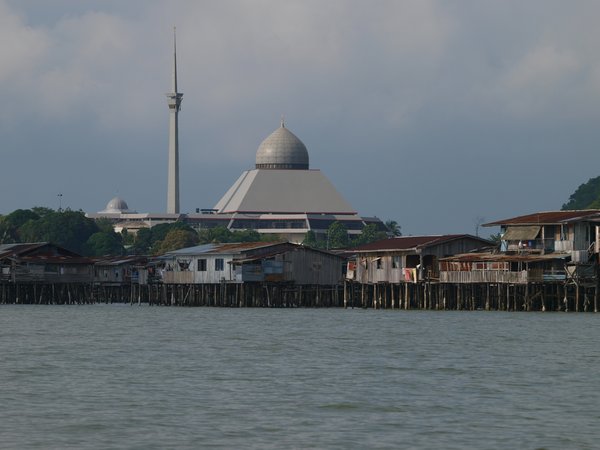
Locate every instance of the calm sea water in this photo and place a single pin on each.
(139, 377)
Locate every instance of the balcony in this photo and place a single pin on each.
(538, 246)
(502, 276)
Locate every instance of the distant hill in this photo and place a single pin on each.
(587, 196)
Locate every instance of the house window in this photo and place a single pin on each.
(395, 262)
(219, 264)
(202, 265)
(379, 263)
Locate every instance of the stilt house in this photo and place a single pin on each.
(408, 258)
(503, 268)
(43, 262)
(576, 233)
(120, 270)
(534, 248)
(252, 262)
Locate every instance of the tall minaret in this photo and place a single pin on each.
(174, 100)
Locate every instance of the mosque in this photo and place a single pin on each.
(281, 196)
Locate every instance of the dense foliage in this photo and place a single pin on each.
(172, 236)
(393, 227)
(337, 237)
(68, 229)
(176, 239)
(587, 196)
(75, 232)
(223, 234)
(150, 240)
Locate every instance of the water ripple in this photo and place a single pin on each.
(116, 376)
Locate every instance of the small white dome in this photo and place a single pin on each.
(282, 150)
(116, 205)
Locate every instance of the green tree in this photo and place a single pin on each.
(104, 243)
(369, 234)
(587, 196)
(142, 241)
(337, 236)
(245, 236)
(10, 224)
(42, 211)
(159, 232)
(216, 234)
(127, 237)
(105, 225)
(19, 217)
(176, 239)
(149, 240)
(595, 204)
(269, 238)
(310, 240)
(68, 229)
(393, 227)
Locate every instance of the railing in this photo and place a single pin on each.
(484, 276)
(563, 246)
(502, 276)
(532, 245)
(172, 277)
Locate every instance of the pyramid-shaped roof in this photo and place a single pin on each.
(281, 191)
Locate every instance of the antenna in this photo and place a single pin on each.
(175, 59)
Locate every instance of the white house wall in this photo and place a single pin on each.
(193, 275)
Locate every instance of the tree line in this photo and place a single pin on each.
(68, 229)
(586, 196)
(78, 233)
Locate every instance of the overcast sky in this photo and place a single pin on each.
(436, 114)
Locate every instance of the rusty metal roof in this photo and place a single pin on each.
(50, 259)
(17, 249)
(414, 242)
(36, 250)
(547, 218)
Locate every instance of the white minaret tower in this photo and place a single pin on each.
(174, 101)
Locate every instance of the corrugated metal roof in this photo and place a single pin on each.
(15, 249)
(35, 250)
(50, 259)
(293, 247)
(118, 260)
(546, 218)
(204, 248)
(237, 247)
(413, 242)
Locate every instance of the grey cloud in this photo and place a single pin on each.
(427, 112)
